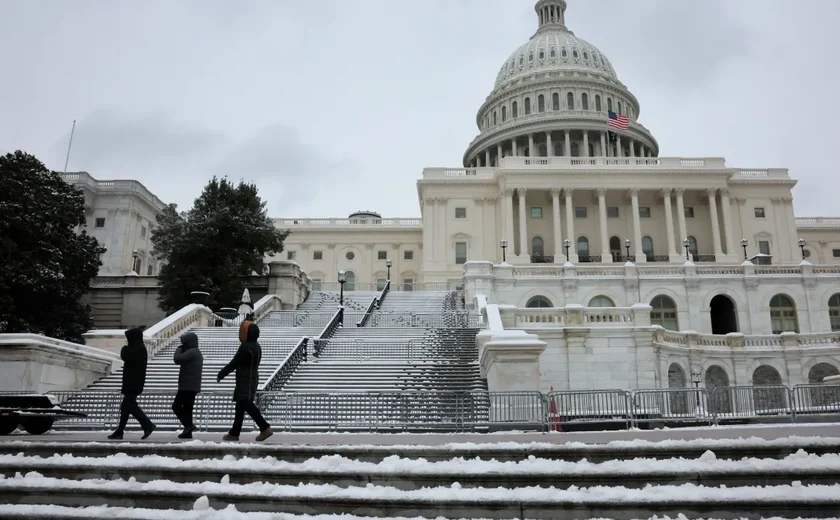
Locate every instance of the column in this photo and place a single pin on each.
(632, 149)
(637, 225)
(715, 224)
(602, 217)
(558, 234)
(549, 145)
(585, 144)
(618, 151)
(531, 146)
(727, 222)
(508, 218)
(487, 157)
(570, 224)
(669, 223)
(513, 147)
(440, 244)
(428, 230)
(603, 144)
(681, 217)
(523, 223)
(568, 144)
(499, 154)
(641, 150)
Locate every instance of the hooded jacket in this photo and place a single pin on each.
(192, 363)
(246, 362)
(134, 358)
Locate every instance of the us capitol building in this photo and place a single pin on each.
(563, 201)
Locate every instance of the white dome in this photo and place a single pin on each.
(554, 49)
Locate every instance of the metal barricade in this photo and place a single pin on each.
(671, 405)
(590, 406)
(816, 401)
(765, 403)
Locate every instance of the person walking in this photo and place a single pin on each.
(189, 357)
(134, 358)
(246, 362)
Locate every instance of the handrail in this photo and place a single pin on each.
(328, 332)
(285, 369)
(384, 293)
(366, 316)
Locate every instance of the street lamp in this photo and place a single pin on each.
(134, 255)
(567, 243)
(503, 243)
(342, 277)
(744, 243)
(686, 243)
(802, 247)
(388, 265)
(627, 247)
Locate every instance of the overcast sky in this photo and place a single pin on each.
(337, 105)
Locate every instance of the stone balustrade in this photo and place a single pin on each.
(292, 223)
(576, 316)
(737, 342)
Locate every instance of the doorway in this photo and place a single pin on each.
(724, 317)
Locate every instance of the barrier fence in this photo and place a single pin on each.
(474, 411)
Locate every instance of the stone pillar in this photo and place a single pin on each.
(487, 157)
(428, 229)
(585, 144)
(618, 151)
(681, 217)
(641, 150)
(715, 223)
(570, 224)
(632, 149)
(637, 226)
(513, 147)
(511, 363)
(549, 146)
(602, 218)
(508, 217)
(531, 146)
(669, 225)
(499, 154)
(558, 234)
(567, 143)
(727, 223)
(603, 144)
(523, 223)
(440, 245)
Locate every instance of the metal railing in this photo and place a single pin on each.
(374, 304)
(226, 347)
(286, 369)
(296, 319)
(412, 350)
(442, 320)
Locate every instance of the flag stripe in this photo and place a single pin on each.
(618, 121)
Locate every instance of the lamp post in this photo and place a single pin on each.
(686, 243)
(342, 277)
(388, 265)
(802, 247)
(744, 243)
(567, 244)
(503, 243)
(627, 247)
(134, 255)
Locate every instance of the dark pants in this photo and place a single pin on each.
(128, 407)
(253, 411)
(183, 407)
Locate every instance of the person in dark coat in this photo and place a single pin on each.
(246, 362)
(134, 358)
(189, 382)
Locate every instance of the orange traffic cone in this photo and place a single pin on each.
(553, 416)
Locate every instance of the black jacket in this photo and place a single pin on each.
(246, 362)
(134, 358)
(192, 363)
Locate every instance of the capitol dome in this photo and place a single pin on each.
(557, 95)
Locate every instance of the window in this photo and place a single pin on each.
(584, 101)
(150, 270)
(834, 312)
(350, 284)
(783, 315)
(570, 101)
(514, 109)
(290, 255)
(408, 255)
(688, 211)
(583, 246)
(692, 246)
(601, 301)
(597, 103)
(316, 284)
(539, 302)
(527, 106)
(619, 108)
(494, 117)
(541, 103)
(664, 313)
(408, 284)
(537, 246)
(536, 212)
(350, 255)
(835, 253)
(759, 212)
(504, 114)
(460, 212)
(764, 247)
(380, 283)
(644, 211)
(317, 255)
(142, 231)
(609, 104)
(460, 253)
(100, 222)
(580, 211)
(612, 211)
(382, 255)
(647, 247)
(555, 101)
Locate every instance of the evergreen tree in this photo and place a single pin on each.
(47, 264)
(215, 246)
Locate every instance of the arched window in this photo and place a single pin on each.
(504, 114)
(514, 109)
(494, 117)
(601, 301)
(539, 302)
(768, 399)
(555, 101)
(609, 104)
(527, 106)
(570, 101)
(583, 247)
(783, 315)
(664, 313)
(692, 246)
(584, 101)
(716, 378)
(822, 395)
(350, 284)
(597, 103)
(541, 103)
(676, 379)
(619, 107)
(834, 312)
(615, 248)
(537, 248)
(558, 149)
(543, 150)
(647, 248)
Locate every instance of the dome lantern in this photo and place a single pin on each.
(551, 14)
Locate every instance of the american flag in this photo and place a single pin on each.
(618, 121)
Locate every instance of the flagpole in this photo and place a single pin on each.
(67, 159)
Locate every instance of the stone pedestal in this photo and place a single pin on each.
(510, 361)
(288, 282)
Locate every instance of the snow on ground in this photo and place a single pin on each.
(229, 513)
(800, 462)
(687, 493)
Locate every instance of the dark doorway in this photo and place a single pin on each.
(724, 317)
